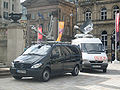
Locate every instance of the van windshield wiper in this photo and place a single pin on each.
(32, 54)
(93, 51)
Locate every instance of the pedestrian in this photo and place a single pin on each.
(113, 57)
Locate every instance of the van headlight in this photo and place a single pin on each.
(12, 65)
(37, 65)
(105, 61)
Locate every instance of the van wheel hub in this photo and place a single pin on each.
(76, 70)
(46, 75)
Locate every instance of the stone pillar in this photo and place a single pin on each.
(15, 41)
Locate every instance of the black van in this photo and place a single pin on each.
(43, 60)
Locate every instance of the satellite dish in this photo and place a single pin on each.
(86, 27)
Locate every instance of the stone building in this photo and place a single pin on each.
(40, 11)
(102, 14)
(6, 7)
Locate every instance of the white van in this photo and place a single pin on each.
(93, 54)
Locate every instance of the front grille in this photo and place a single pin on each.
(22, 65)
(96, 61)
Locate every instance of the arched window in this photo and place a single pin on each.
(104, 39)
(115, 10)
(103, 14)
(88, 14)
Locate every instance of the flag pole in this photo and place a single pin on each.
(116, 26)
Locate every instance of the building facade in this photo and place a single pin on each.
(102, 14)
(40, 12)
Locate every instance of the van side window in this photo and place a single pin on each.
(56, 51)
(65, 51)
(74, 50)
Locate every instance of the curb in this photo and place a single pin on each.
(4, 72)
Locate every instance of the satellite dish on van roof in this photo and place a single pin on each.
(86, 27)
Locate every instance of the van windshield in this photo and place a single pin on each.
(37, 50)
(92, 47)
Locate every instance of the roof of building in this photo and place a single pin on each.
(33, 3)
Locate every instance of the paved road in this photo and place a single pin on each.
(95, 80)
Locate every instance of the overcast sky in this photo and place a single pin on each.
(22, 0)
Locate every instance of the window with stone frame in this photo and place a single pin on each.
(13, 7)
(103, 14)
(88, 15)
(33, 16)
(5, 15)
(5, 5)
(104, 39)
(115, 10)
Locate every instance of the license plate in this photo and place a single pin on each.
(21, 71)
(96, 66)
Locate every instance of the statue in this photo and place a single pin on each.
(15, 17)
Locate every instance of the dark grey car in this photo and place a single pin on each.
(42, 61)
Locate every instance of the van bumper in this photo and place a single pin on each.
(95, 65)
(26, 73)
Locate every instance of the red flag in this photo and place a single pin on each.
(39, 35)
(117, 26)
(117, 22)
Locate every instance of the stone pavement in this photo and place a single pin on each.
(94, 80)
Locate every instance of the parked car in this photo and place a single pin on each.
(43, 60)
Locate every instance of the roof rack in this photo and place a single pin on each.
(83, 36)
(54, 42)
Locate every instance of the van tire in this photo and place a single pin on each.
(46, 75)
(17, 77)
(105, 70)
(75, 71)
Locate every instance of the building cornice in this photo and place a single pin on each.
(100, 22)
(98, 2)
(43, 8)
(107, 2)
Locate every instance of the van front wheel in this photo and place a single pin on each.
(46, 75)
(105, 70)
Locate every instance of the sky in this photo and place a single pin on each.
(22, 0)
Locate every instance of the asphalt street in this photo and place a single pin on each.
(89, 80)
